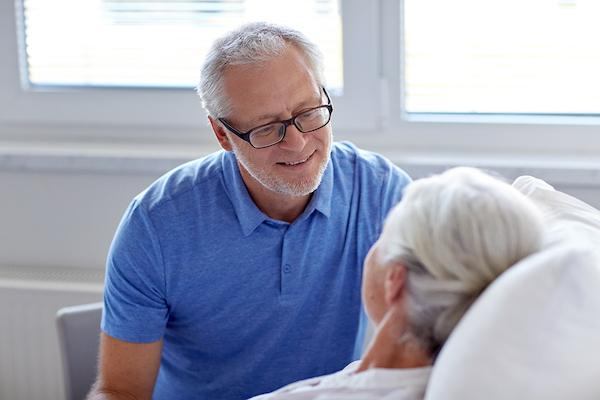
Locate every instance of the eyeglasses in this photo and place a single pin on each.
(274, 132)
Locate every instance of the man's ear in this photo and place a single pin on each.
(220, 134)
(395, 283)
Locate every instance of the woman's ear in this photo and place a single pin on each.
(220, 134)
(395, 283)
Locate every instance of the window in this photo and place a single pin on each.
(156, 43)
(502, 57)
(65, 74)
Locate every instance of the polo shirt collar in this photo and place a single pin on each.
(248, 214)
(321, 199)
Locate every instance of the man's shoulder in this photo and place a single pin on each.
(355, 159)
(179, 182)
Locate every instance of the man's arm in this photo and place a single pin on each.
(126, 370)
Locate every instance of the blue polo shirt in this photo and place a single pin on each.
(246, 304)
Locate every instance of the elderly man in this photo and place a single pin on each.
(240, 272)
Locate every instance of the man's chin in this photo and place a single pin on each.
(299, 189)
(282, 182)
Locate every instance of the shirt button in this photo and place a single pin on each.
(287, 268)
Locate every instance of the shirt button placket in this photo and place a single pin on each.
(286, 265)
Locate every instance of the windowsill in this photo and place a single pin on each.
(568, 172)
(155, 159)
(97, 158)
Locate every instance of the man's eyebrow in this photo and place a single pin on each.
(275, 117)
(266, 118)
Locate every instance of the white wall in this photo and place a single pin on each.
(61, 219)
(61, 210)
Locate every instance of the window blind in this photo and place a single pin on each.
(156, 43)
(502, 56)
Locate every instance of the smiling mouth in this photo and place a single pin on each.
(293, 163)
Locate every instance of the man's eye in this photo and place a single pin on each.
(311, 114)
(266, 130)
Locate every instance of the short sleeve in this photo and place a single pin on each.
(392, 188)
(135, 306)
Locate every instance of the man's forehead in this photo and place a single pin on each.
(285, 82)
(267, 101)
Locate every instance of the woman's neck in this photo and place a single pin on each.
(392, 347)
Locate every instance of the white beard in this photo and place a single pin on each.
(298, 188)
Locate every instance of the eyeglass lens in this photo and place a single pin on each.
(308, 121)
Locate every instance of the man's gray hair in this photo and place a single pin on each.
(252, 43)
(455, 233)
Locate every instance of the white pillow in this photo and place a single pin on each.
(567, 218)
(533, 334)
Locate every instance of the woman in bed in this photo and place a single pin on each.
(441, 246)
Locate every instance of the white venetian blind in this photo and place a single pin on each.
(156, 43)
(502, 56)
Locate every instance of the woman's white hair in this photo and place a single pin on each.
(455, 233)
(252, 43)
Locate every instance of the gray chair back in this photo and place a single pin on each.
(79, 340)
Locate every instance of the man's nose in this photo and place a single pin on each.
(294, 139)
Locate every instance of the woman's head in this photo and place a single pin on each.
(451, 235)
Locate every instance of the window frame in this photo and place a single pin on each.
(511, 137)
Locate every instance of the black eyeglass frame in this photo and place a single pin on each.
(245, 136)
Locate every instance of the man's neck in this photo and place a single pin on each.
(281, 207)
